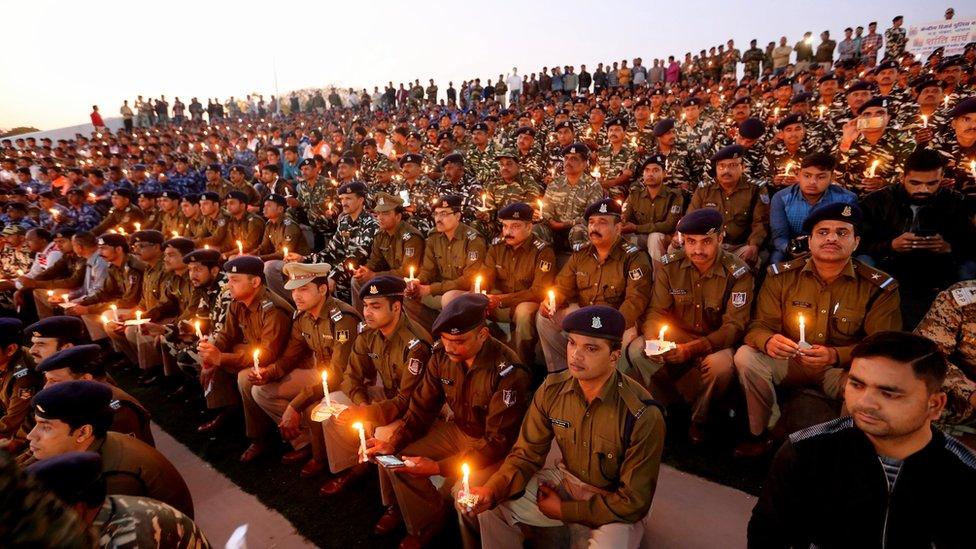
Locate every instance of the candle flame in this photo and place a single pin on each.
(465, 469)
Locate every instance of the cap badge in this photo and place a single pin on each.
(373, 290)
(597, 324)
(846, 211)
(603, 208)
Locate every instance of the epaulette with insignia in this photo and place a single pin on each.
(496, 240)
(880, 279)
(780, 268)
(406, 236)
(336, 314)
(266, 304)
(472, 235)
(21, 373)
(668, 258)
(540, 244)
(437, 345)
(413, 343)
(360, 327)
(736, 267)
(287, 222)
(504, 369)
(965, 293)
(630, 248)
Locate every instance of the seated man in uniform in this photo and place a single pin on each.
(393, 349)
(810, 313)
(257, 321)
(519, 268)
(608, 271)
(74, 416)
(610, 436)
(652, 210)
(481, 381)
(703, 295)
(119, 521)
(322, 335)
(121, 289)
(452, 257)
(18, 383)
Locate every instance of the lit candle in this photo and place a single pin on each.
(874, 166)
(256, 355)
(477, 284)
(284, 252)
(104, 318)
(803, 329)
(552, 301)
(206, 246)
(138, 315)
(539, 203)
(325, 388)
(786, 171)
(465, 479)
(64, 297)
(925, 121)
(822, 109)
(240, 248)
(175, 234)
(137, 225)
(54, 213)
(50, 294)
(362, 440)
(196, 326)
(596, 171)
(660, 335)
(409, 278)
(776, 112)
(484, 200)
(115, 312)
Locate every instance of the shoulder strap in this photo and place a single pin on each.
(631, 420)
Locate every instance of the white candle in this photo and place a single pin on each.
(409, 278)
(196, 325)
(874, 166)
(256, 355)
(284, 252)
(175, 234)
(115, 312)
(64, 297)
(465, 479)
(539, 203)
(240, 248)
(104, 318)
(552, 301)
(925, 121)
(786, 171)
(972, 168)
(325, 388)
(822, 109)
(484, 200)
(50, 294)
(362, 440)
(803, 329)
(138, 226)
(660, 335)
(138, 315)
(477, 284)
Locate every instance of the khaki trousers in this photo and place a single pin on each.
(265, 404)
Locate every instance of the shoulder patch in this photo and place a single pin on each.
(964, 296)
(414, 366)
(342, 336)
(115, 404)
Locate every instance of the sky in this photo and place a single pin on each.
(61, 57)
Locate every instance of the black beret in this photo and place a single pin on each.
(579, 99)
(123, 192)
(691, 102)
(783, 83)
(752, 128)
(859, 85)
(210, 195)
(453, 158)
(826, 77)
(383, 286)
(353, 187)
(884, 65)
(348, 160)
(180, 244)
(192, 198)
(596, 321)
(69, 476)
(701, 222)
(801, 98)
(368, 142)
(744, 100)
(412, 158)
(877, 101)
(463, 314)
(76, 190)
(837, 211)
(237, 195)
(563, 124)
(150, 236)
(245, 264)
(964, 107)
(307, 162)
(76, 401)
(663, 126)
(205, 256)
(78, 358)
(480, 126)
(446, 134)
(277, 199)
(920, 85)
(516, 211)
(113, 239)
(657, 91)
(727, 153)
(46, 194)
(452, 201)
(525, 129)
(789, 120)
(607, 206)
(952, 61)
(642, 102)
(577, 148)
(655, 158)
(10, 330)
(139, 167)
(617, 121)
(64, 233)
(238, 168)
(213, 167)
(152, 195)
(172, 195)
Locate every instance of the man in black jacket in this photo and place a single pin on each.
(883, 477)
(918, 232)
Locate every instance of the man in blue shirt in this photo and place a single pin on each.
(790, 206)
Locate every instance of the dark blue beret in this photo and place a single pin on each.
(801, 98)
(123, 192)
(744, 100)
(245, 264)
(238, 168)
(84, 402)
(307, 162)
(353, 187)
(68, 476)
(701, 222)
(452, 201)
(383, 286)
(783, 83)
(607, 206)
(617, 121)
(68, 328)
(114, 240)
(838, 211)
(10, 330)
(205, 256)
(236, 195)
(752, 128)
(172, 195)
(463, 314)
(210, 195)
(150, 236)
(64, 233)
(859, 85)
(727, 153)
(139, 167)
(78, 358)
(517, 211)
(180, 244)
(577, 148)
(192, 198)
(596, 321)
(277, 199)
(789, 120)
(152, 195)
(826, 77)
(453, 158)
(368, 142)
(214, 167)
(563, 124)
(882, 101)
(446, 134)
(655, 158)
(691, 102)
(663, 126)
(525, 129)
(884, 65)
(964, 107)
(412, 158)
(480, 126)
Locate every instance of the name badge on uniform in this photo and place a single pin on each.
(560, 422)
(336, 315)
(738, 299)
(414, 366)
(678, 291)
(803, 304)
(115, 404)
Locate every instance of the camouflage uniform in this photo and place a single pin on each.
(189, 182)
(133, 521)
(958, 161)
(895, 42)
(371, 166)
(421, 195)
(83, 218)
(566, 203)
(210, 308)
(613, 164)
(778, 156)
(751, 59)
(951, 324)
(891, 151)
(500, 193)
(481, 164)
(351, 242)
(313, 202)
(533, 163)
(470, 188)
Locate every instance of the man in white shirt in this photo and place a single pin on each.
(514, 82)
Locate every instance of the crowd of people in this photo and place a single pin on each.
(435, 288)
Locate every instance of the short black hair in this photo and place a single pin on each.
(86, 239)
(820, 160)
(924, 160)
(921, 353)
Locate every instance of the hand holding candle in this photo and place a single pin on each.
(325, 388)
(552, 301)
(115, 312)
(874, 167)
(240, 248)
(803, 329)
(466, 499)
(254, 368)
(196, 327)
(477, 284)
(362, 441)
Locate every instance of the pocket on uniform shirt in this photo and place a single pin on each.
(608, 454)
(847, 322)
